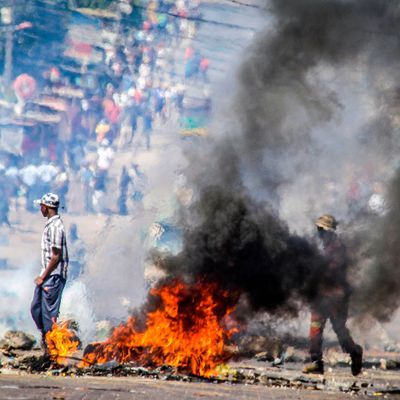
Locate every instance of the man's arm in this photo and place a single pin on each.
(55, 259)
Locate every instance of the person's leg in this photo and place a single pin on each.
(338, 317)
(52, 293)
(318, 321)
(147, 138)
(36, 308)
(36, 312)
(30, 196)
(123, 210)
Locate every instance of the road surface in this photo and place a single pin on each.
(32, 387)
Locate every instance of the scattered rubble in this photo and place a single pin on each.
(389, 364)
(249, 373)
(283, 371)
(17, 340)
(262, 347)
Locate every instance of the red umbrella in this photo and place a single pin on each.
(24, 86)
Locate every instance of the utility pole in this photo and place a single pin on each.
(7, 20)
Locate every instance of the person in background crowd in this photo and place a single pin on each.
(12, 184)
(4, 206)
(87, 177)
(76, 253)
(124, 181)
(147, 122)
(61, 186)
(138, 183)
(204, 65)
(29, 177)
(46, 174)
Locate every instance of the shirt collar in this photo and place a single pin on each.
(53, 218)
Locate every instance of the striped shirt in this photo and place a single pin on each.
(54, 236)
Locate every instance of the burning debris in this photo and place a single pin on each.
(187, 330)
(62, 342)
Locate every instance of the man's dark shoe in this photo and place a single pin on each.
(356, 360)
(315, 367)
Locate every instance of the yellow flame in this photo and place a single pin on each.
(61, 342)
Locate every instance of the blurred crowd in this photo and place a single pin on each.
(364, 195)
(70, 121)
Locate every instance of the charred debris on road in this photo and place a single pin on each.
(274, 367)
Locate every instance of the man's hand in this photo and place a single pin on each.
(39, 281)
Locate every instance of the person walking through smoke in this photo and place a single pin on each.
(332, 301)
(54, 261)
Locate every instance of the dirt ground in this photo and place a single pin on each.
(31, 387)
(245, 379)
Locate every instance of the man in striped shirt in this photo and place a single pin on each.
(54, 261)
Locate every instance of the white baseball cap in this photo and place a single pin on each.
(49, 199)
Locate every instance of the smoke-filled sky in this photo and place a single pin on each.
(315, 102)
(311, 127)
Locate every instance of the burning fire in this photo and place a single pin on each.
(61, 342)
(188, 331)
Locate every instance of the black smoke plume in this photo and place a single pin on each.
(246, 249)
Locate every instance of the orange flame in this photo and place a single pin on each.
(187, 331)
(61, 342)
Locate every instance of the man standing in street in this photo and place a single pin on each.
(54, 261)
(332, 300)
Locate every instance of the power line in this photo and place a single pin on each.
(240, 3)
(196, 38)
(45, 29)
(199, 19)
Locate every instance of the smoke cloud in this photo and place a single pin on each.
(377, 292)
(247, 250)
(294, 99)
